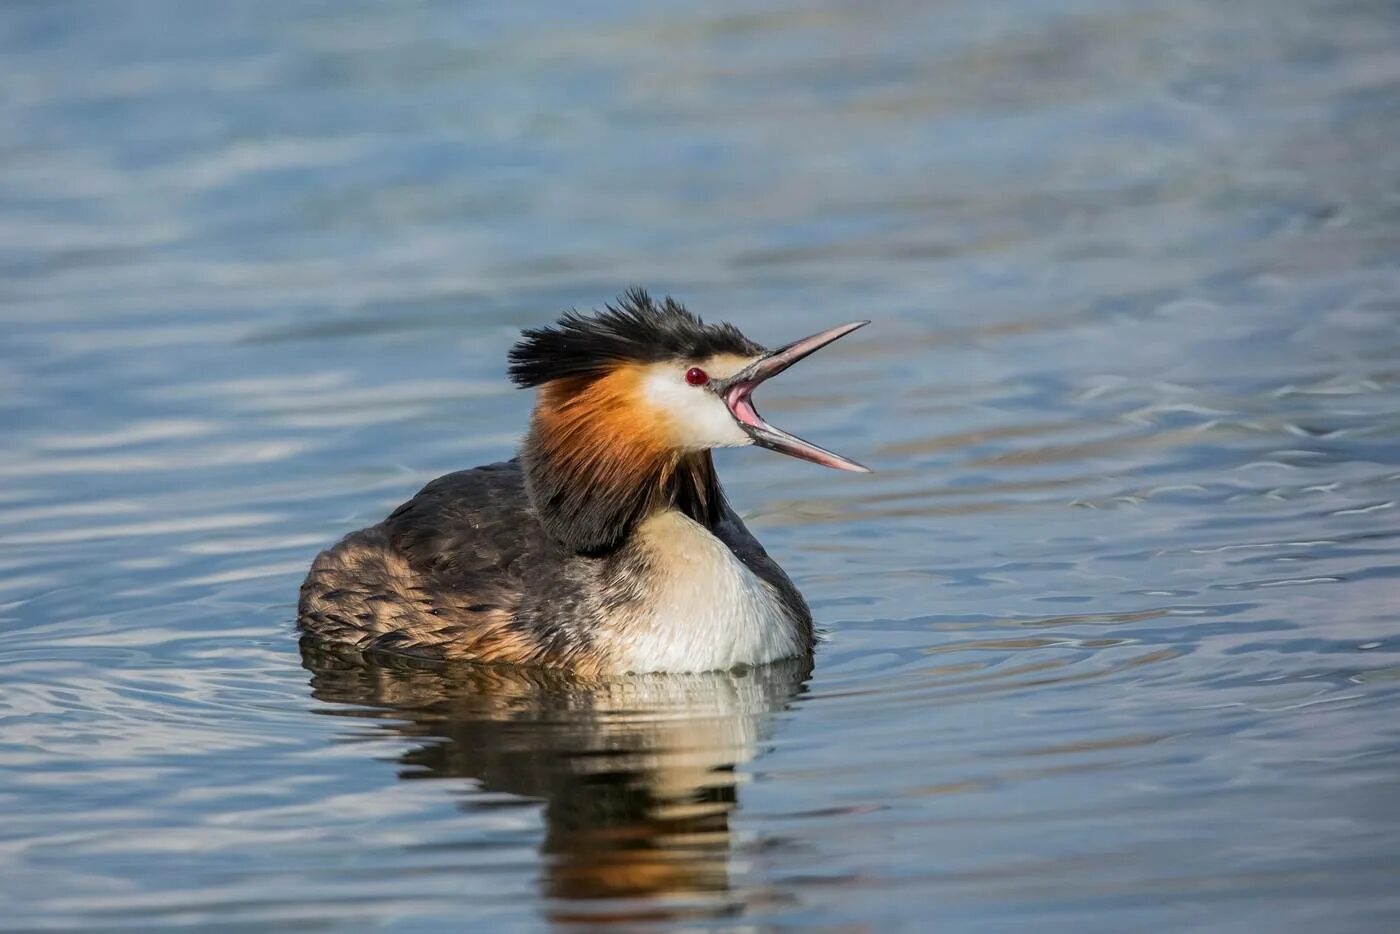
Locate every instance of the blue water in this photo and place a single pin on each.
(1111, 639)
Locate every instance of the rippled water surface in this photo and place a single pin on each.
(1111, 633)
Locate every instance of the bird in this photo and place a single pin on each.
(606, 546)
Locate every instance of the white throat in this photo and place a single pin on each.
(703, 608)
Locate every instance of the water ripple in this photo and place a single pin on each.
(1109, 636)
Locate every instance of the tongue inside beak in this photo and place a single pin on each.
(738, 395)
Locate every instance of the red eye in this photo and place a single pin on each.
(696, 376)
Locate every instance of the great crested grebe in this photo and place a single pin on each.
(607, 545)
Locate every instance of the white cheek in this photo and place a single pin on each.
(699, 417)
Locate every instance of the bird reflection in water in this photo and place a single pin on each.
(637, 773)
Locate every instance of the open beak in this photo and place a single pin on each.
(737, 392)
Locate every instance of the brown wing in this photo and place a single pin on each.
(442, 576)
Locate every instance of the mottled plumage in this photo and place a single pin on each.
(466, 570)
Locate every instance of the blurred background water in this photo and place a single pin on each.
(1112, 637)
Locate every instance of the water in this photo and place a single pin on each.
(1111, 633)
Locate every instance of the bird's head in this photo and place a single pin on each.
(633, 393)
(652, 370)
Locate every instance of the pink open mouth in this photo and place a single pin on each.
(741, 406)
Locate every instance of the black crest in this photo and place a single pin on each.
(636, 329)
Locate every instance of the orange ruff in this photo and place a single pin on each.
(601, 433)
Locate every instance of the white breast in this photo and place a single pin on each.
(705, 609)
